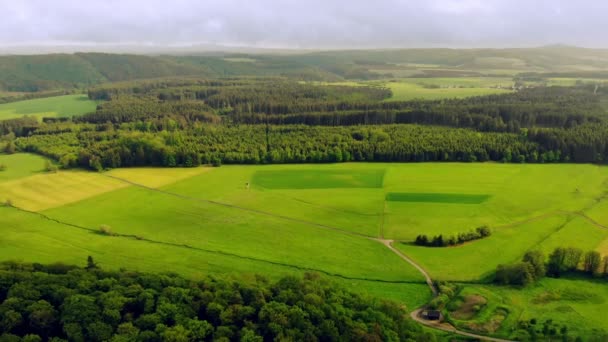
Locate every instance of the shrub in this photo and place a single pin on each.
(106, 230)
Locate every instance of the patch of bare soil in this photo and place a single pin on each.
(469, 308)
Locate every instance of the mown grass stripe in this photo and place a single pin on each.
(422, 197)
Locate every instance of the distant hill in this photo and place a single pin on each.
(30, 73)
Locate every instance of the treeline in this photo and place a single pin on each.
(561, 261)
(77, 145)
(59, 302)
(166, 142)
(454, 240)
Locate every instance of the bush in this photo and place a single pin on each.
(216, 162)
(441, 241)
(521, 273)
(106, 230)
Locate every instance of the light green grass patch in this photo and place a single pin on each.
(57, 106)
(30, 238)
(318, 179)
(171, 219)
(20, 165)
(441, 88)
(436, 198)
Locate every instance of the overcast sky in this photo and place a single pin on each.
(306, 23)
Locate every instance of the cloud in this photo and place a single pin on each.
(308, 24)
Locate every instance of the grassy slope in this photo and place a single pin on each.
(28, 237)
(20, 165)
(58, 106)
(517, 192)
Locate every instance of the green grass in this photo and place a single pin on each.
(30, 238)
(576, 303)
(440, 88)
(156, 215)
(435, 198)
(478, 260)
(58, 106)
(20, 165)
(295, 218)
(318, 179)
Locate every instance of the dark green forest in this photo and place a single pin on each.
(61, 302)
(189, 122)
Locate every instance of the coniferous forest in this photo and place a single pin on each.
(188, 122)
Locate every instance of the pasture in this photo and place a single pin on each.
(283, 219)
(564, 301)
(57, 106)
(406, 89)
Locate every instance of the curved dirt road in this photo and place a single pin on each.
(416, 313)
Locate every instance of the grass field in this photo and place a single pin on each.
(20, 165)
(565, 301)
(439, 88)
(295, 218)
(58, 106)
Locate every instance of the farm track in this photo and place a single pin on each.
(171, 244)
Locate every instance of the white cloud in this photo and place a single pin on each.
(311, 23)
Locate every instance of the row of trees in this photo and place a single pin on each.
(59, 302)
(562, 260)
(77, 145)
(459, 239)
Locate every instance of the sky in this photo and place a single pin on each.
(310, 24)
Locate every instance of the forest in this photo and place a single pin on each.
(59, 302)
(189, 122)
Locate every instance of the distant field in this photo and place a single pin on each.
(58, 106)
(440, 88)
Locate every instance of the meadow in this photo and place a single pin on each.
(285, 219)
(406, 89)
(563, 301)
(57, 106)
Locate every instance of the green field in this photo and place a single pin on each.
(418, 197)
(58, 106)
(318, 179)
(296, 218)
(564, 301)
(440, 88)
(19, 166)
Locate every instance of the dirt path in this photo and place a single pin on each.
(415, 315)
(427, 277)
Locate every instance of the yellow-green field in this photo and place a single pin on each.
(439, 88)
(58, 106)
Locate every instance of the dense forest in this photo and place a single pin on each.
(59, 302)
(189, 122)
